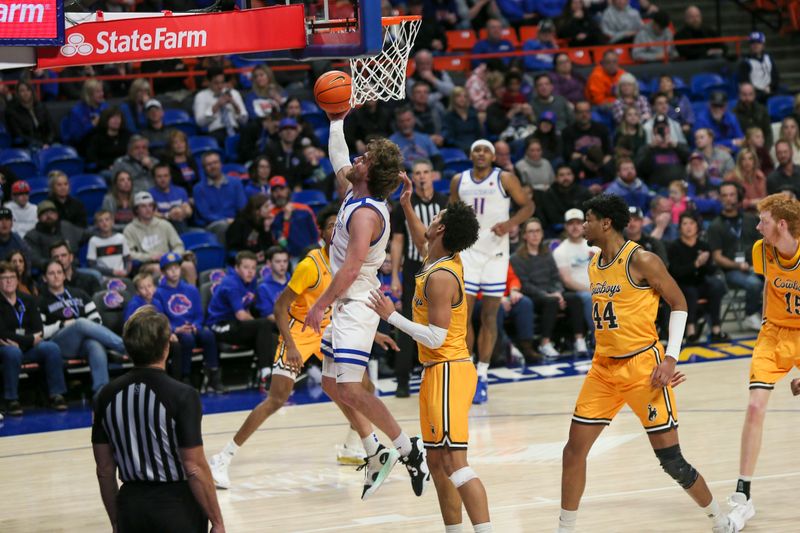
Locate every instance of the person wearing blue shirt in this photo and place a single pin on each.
(230, 316)
(545, 40)
(294, 225)
(145, 291)
(217, 199)
(172, 203)
(722, 122)
(413, 145)
(85, 115)
(182, 304)
(274, 281)
(493, 43)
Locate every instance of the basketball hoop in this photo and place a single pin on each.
(383, 77)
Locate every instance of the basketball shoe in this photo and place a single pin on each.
(349, 455)
(727, 527)
(742, 509)
(377, 468)
(417, 466)
(219, 470)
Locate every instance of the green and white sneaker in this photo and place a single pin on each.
(377, 468)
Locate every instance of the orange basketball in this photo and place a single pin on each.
(332, 91)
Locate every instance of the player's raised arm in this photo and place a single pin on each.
(416, 228)
(454, 183)
(526, 207)
(338, 152)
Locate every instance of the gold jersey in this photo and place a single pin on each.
(455, 343)
(624, 313)
(310, 279)
(782, 282)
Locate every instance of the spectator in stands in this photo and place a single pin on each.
(108, 251)
(21, 333)
(628, 185)
(661, 107)
(138, 163)
(600, 87)
(545, 40)
(182, 304)
(134, 107)
(678, 193)
(252, 228)
(633, 232)
(257, 135)
(661, 226)
(460, 125)
(570, 85)
(749, 177)
(564, 194)
(699, 181)
(502, 156)
(719, 160)
(585, 134)
(537, 271)
(518, 310)
(629, 136)
(545, 100)
(572, 257)
(23, 211)
(145, 292)
(10, 241)
(679, 108)
(664, 159)
(518, 12)
(427, 114)
(293, 109)
(260, 171)
(754, 139)
(71, 321)
(413, 145)
(431, 34)
(217, 199)
(578, 27)
(80, 279)
(694, 29)
(50, 230)
(230, 314)
(172, 203)
(219, 108)
(789, 132)
(717, 117)
(655, 31)
(786, 171)
(439, 80)
(294, 227)
(366, 123)
(266, 95)
(273, 282)
(691, 265)
(477, 86)
(533, 168)
(154, 130)
(628, 96)
(119, 200)
(108, 141)
(27, 285)
(759, 68)
(620, 22)
(493, 43)
(85, 115)
(547, 134)
(69, 208)
(752, 114)
(510, 117)
(287, 154)
(28, 121)
(731, 237)
(150, 237)
(185, 172)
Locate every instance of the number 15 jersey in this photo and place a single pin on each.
(624, 313)
(782, 279)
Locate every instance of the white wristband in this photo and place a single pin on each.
(337, 147)
(677, 326)
(430, 335)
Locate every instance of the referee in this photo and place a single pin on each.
(147, 426)
(426, 203)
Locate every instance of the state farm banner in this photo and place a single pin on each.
(31, 23)
(171, 36)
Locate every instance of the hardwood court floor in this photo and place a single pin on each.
(286, 479)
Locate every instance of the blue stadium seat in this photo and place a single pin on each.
(19, 161)
(780, 106)
(63, 128)
(309, 106)
(235, 170)
(208, 255)
(318, 120)
(63, 158)
(200, 144)
(197, 238)
(89, 189)
(457, 166)
(551, 9)
(323, 134)
(232, 147)
(5, 137)
(313, 198)
(703, 84)
(442, 186)
(679, 86)
(38, 189)
(180, 120)
(451, 155)
(604, 118)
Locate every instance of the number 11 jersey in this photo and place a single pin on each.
(624, 313)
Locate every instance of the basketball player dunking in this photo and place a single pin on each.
(487, 190)
(358, 248)
(629, 366)
(777, 349)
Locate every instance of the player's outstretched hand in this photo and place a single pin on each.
(381, 304)
(795, 386)
(663, 373)
(677, 378)
(314, 319)
(386, 342)
(408, 188)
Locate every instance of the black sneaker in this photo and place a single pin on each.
(58, 403)
(417, 466)
(13, 408)
(402, 390)
(719, 337)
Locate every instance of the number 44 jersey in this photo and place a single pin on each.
(782, 278)
(624, 312)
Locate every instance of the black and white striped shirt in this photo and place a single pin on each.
(146, 416)
(426, 211)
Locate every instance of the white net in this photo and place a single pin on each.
(383, 77)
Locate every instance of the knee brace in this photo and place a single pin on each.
(676, 466)
(462, 476)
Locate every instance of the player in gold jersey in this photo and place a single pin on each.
(777, 349)
(629, 366)
(311, 277)
(449, 378)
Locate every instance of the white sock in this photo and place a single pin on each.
(452, 528)
(403, 444)
(486, 527)
(370, 443)
(352, 440)
(567, 520)
(230, 449)
(483, 370)
(746, 478)
(265, 372)
(712, 511)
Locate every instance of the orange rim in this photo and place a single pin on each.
(391, 21)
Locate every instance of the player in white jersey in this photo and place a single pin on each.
(489, 191)
(358, 248)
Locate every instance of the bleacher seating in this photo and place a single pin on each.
(780, 106)
(701, 85)
(89, 189)
(38, 189)
(180, 119)
(60, 157)
(315, 199)
(19, 161)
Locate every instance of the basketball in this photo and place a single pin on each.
(332, 91)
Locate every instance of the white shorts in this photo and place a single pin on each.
(486, 273)
(347, 341)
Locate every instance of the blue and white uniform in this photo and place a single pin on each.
(486, 261)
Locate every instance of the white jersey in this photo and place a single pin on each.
(367, 279)
(491, 204)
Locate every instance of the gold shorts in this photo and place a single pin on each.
(445, 397)
(307, 342)
(776, 352)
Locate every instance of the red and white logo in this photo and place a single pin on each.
(76, 45)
